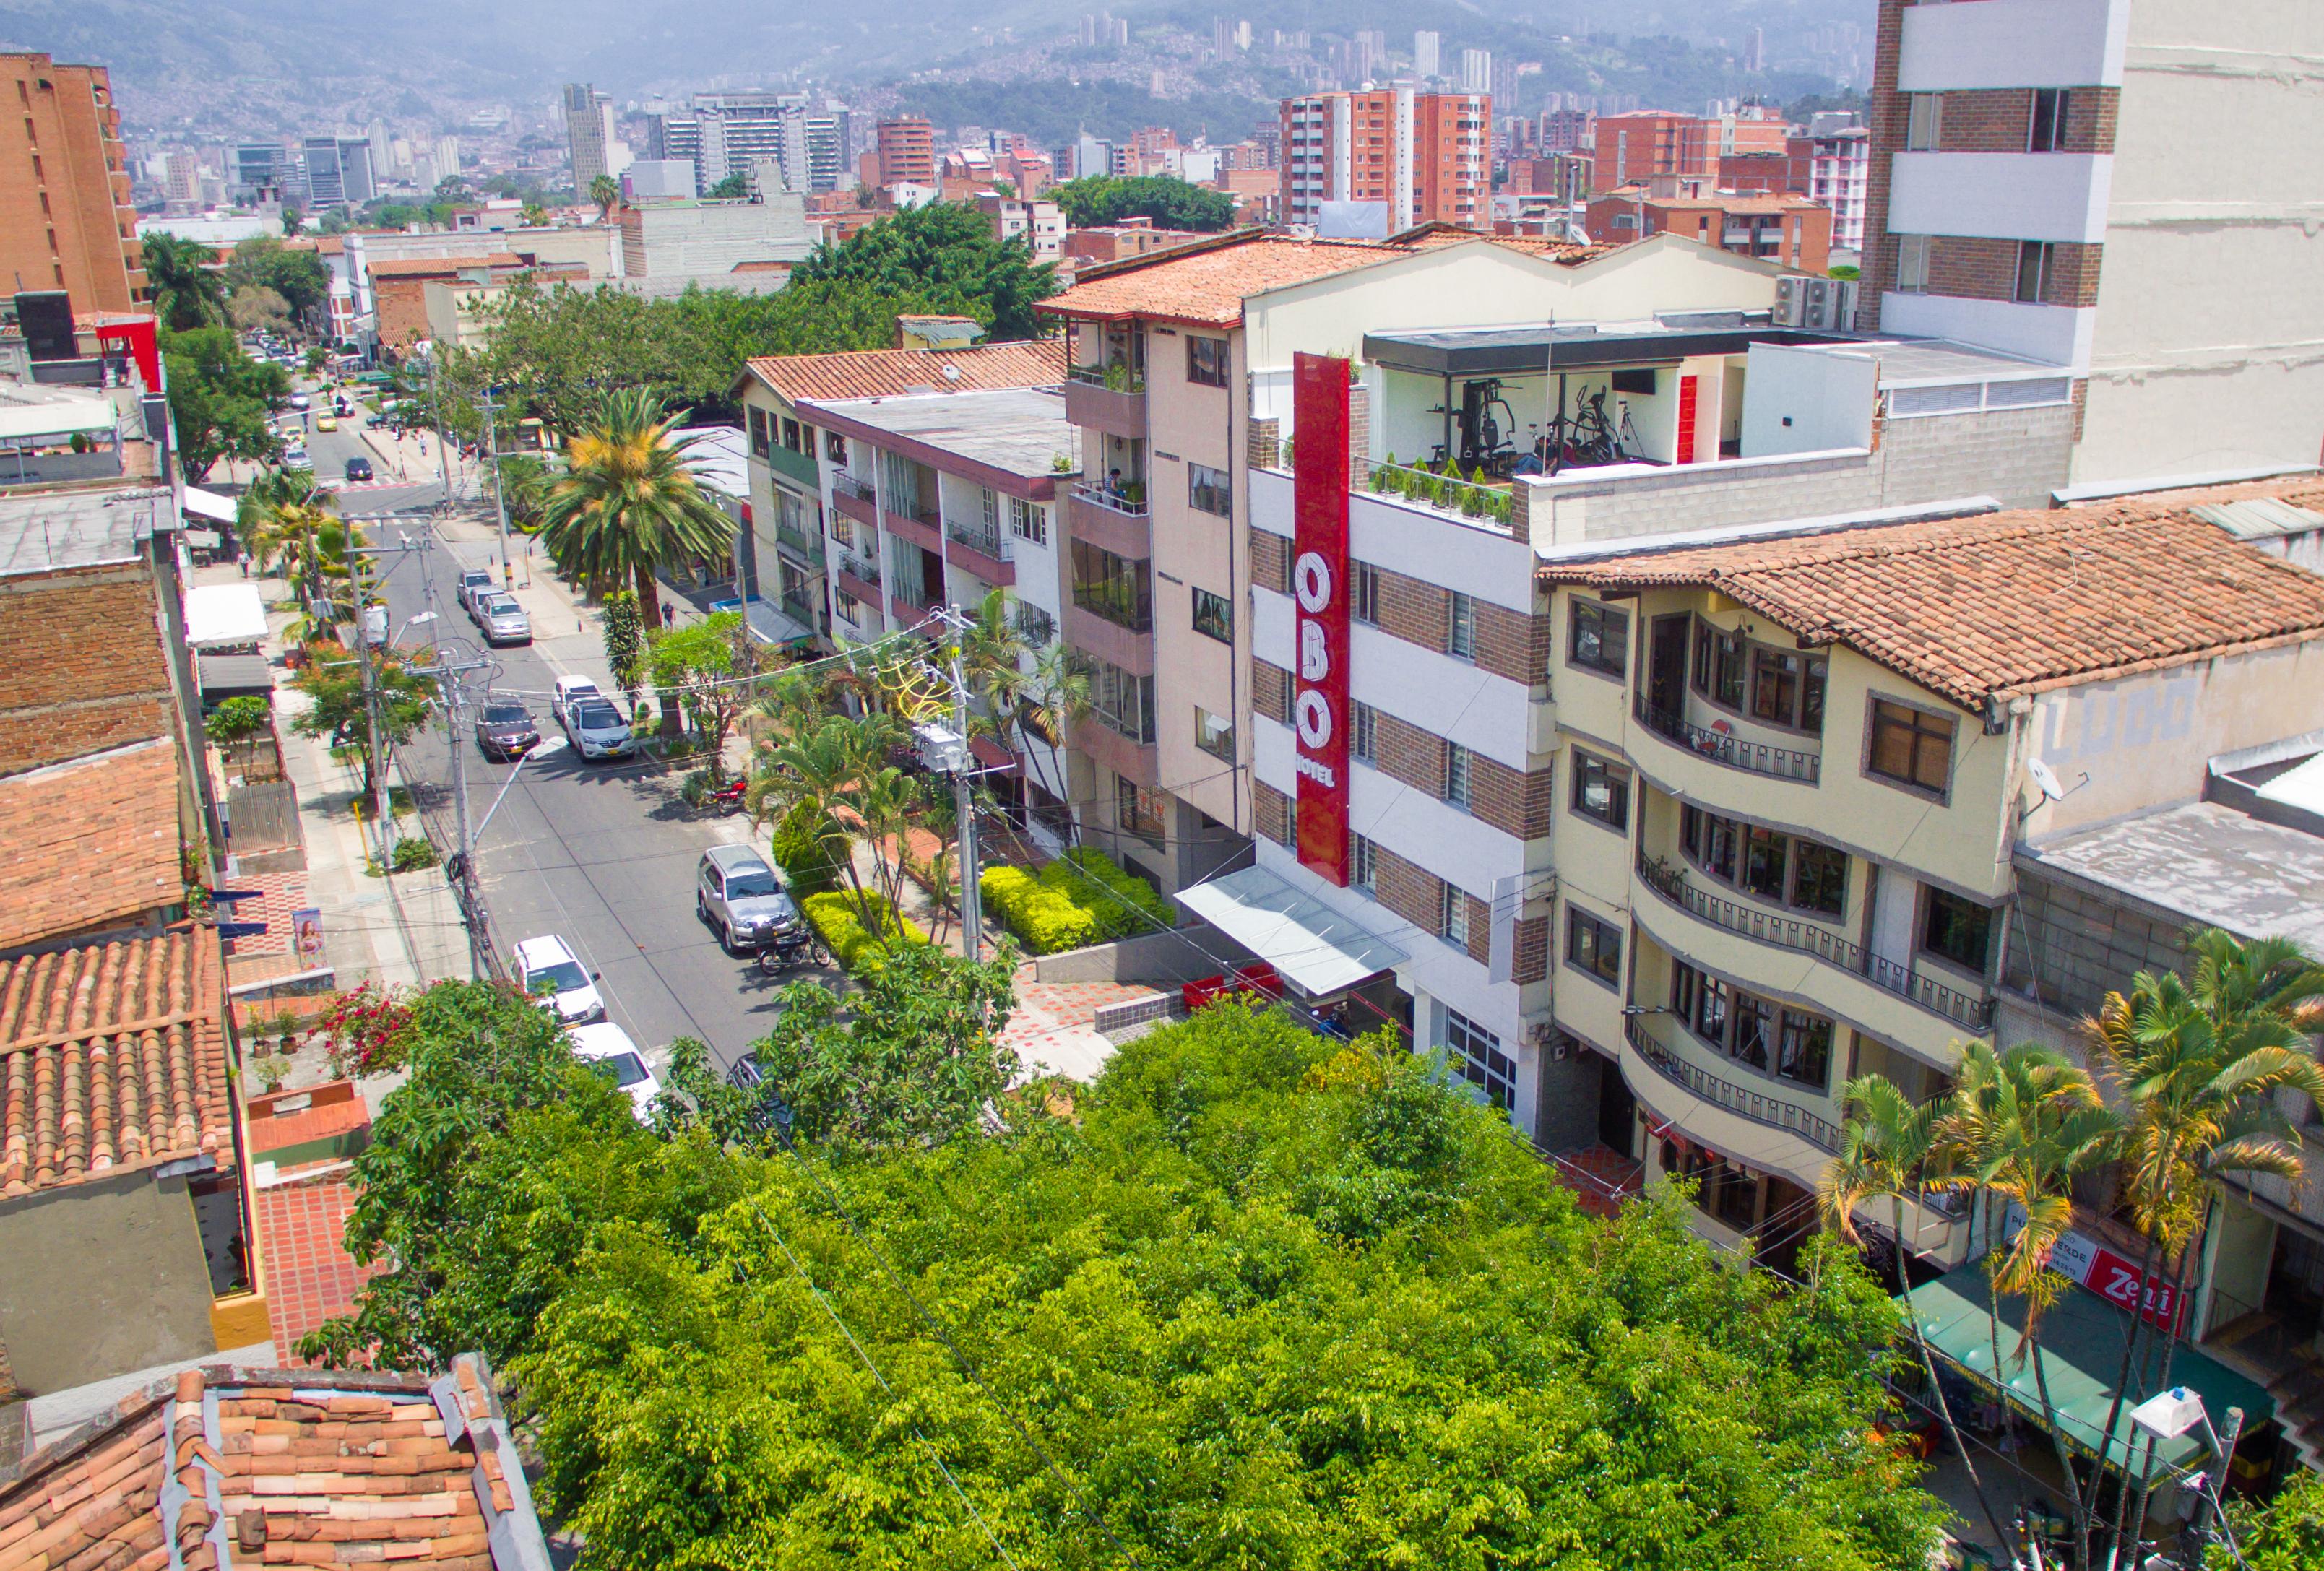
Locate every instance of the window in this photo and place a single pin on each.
(1593, 947)
(1601, 790)
(1363, 732)
(1787, 690)
(1702, 1000)
(1766, 859)
(1956, 929)
(843, 529)
(1207, 491)
(1598, 638)
(1909, 745)
(1213, 615)
(1474, 1053)
(1363, 593)
(1452, 916)
(848, 608)
(1803, 1050)
(1819, 878)
(1029, 520)
(1784, 870)
(1121, 702)
(1461, 627)
(1456, 775)
(1117, 588)
(1913, 262)
(988, 510)
(2032, 272)
(1364, 863)
(1924, 122)
(759, 432)
(1138, 810)
(834, 447)
(1207, 361)
(791, 435)
(1214, 735)
(2047, 127)
(1718, 666)
(1753, 1029)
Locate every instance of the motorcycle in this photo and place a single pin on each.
(789, 949)
(727, 798)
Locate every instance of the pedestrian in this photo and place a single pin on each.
(242, 559)
(668, 614)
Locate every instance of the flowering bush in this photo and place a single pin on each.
(366, 1031)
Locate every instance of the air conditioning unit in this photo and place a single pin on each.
(1815, 304)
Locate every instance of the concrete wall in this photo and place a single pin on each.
(2070, 946)
(1154, 960)
(1807, 401)
(102, 1278)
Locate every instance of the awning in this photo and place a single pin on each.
(991, 755)
(2083, 1341)
(209, 504)
(221, 615)
(1312, 947)
(234, 675)
(768, 625)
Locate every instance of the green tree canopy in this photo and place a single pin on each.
(219, 399)
(732, 189)
(189, 290)
(300, 277)
(946, 249)
(1170, 202)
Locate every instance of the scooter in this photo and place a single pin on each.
(788, 949)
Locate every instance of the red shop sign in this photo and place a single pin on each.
(1319, 590)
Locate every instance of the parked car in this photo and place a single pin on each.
(503, 622)
(505, 730)
(740, 894)
(300, 400)
(607, 1049)
(473, 581)
(570, 688)
(327, 421)
(358, 470)
(294, 454)
(550, 973)
(597, 730)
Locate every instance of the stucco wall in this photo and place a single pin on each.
(102, 1278)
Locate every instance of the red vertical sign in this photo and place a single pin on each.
(1689, 393)
(1319, 594)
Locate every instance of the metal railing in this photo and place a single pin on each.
(800, 540)
(1034, 626)
(863, 572)
(1739, 1099)
(1112, 501)
(994, 546)
(861, 489)
(1972, 1010)
(1114, 608)
(1734, 752)
(1118, 379)
(1445, 492)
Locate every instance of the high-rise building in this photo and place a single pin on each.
(2055, 182)
(1428, 54)
(1476, 70)
(588, 133)
(907, 151)
(1422, 157)
(1653, 141)
(338, 171)
(66, 221)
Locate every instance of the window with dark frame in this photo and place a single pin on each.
(1956, 929)
(1208, 491)
(1910, 746)
(1364, 863)
(1363, 593)
(1452, 916)
(1788, 1044)
(1461, 627)
(1363, 732)
(1601, 790)
(2046, 126)
(2032, 272)
(758, 443)
(1214, 734)
(1787, 689)
(1718, 661)
(1592, 946)
(1475, 1054)
(791, 435)
(1598, 638)
(1213, 615)
(1138, 811)
(834, 447)
(1781, 868)
(1208, 361)
(1456, 775)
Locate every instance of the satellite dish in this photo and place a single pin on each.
(2047, 779)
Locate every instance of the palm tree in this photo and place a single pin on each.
(2199, 1068)
(606, 192)
(1055, 698)
(628, 505)
(286, 521)
(825, 774)
(1886, 1147)
(187, 290)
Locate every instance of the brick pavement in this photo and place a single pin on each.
(309, 1274)
(1055, 1028)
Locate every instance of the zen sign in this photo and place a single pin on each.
(1319, 587)
(2090, 1265)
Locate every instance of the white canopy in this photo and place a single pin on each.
(208, 505)
(1312, 947)
(28, 412)
(221, 615)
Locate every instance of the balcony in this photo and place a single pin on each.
(799, 468)
(923, 527)
(1743, 1100)
(856, 498)
(1036, 626)
(860, 579)
(807, 549)
(1136, 761)
(1093, 633)
(1725, 748)
(988, 556)
(1972, 1012)
(912, 600)
(1113, 402)
(1110, 523)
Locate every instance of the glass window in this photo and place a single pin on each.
(1812, 686)
(1029, 520)
(1924, 122)
(2032, 272)
(1819, 878)
(2046, 128)
(1364, 863)
(1474, 1053)
(1702, 1000)
(1766, 855)
(759, 432)
(1138, 810)
(1754, 1030)
(1910, 746)
(1363, 732)
(1452, 918)
(1117, 588)
(1803, 1052)
(1213, 615)
(1208, 491)
(1593, 946)
(1207, 361)
(1363, 593)
(1598, 637)
(1456, 774)
(834, 447)
(1461, 635)
(1213, 735)
(1718, 666)
(989, 508)
(1774, 686)
(1913, 262)
(1601, 790)
(791, 435)
(1121, 702)
(1956, 929)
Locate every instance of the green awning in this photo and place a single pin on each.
(2083, 1341)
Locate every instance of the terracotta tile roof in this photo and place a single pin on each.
(311, 1468)
(88, 842)
(1207, 283)
(112, 1056)
(876, 373)
(1990, 607)
(309, 1274)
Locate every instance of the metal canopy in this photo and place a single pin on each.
(1312, 947)
(1530, 351)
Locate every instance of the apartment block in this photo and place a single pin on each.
(1775, 225)
(1407, 157)
(66, 219)
(706, 238)
(589, 137)
(906, 153)
(1648, 143)
(2053, 181)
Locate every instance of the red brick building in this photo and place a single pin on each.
(1773, 226)
(1425, 157)
(906, 152)
(1653, 141)
(66, 219)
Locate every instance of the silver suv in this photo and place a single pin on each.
(737, 893)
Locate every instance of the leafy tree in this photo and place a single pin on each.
(189, 292)
(1170, 202)
(732, 189)
(835, 778)
(625, 637)
(2286, 1534)
(219, 399)
(697, 665)
(332, 680)
(948, 249)
(534, 215)
(299, 277)
(316, 358)
(524, 487)
(255, 308)
(294, 221)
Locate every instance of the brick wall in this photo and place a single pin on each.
(2077, 947)
(1529, 950)
(1270, 561)
(1409, 889)
(1512, 644)
(1407, 754)
(2000, 119)
(1886, 121)
(1480, 930)
(1270, 691)
(81, 666)
(1975, 268)
(1263, 444)
(1516, 802)
(1271, 813)
(1418, 614)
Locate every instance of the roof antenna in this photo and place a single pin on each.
(2046, 778)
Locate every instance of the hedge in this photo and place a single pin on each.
(840, 922)
(1081, 899)
(804, 857)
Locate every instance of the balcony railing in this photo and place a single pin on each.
(1113, 502)
(1734, 752)
(800, 540)
(1974, 1011)
(1745, 1101)
(861, 489)
(996, 547)
(1036, 626)
(863, 572)
(1113, 378)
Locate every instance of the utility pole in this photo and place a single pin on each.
(971, 913)
(382, 823)
(436, 410)
(462, 866)
(500, 500)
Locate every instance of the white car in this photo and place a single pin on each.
(597, 730)
(549, 972)
(607, 1049)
